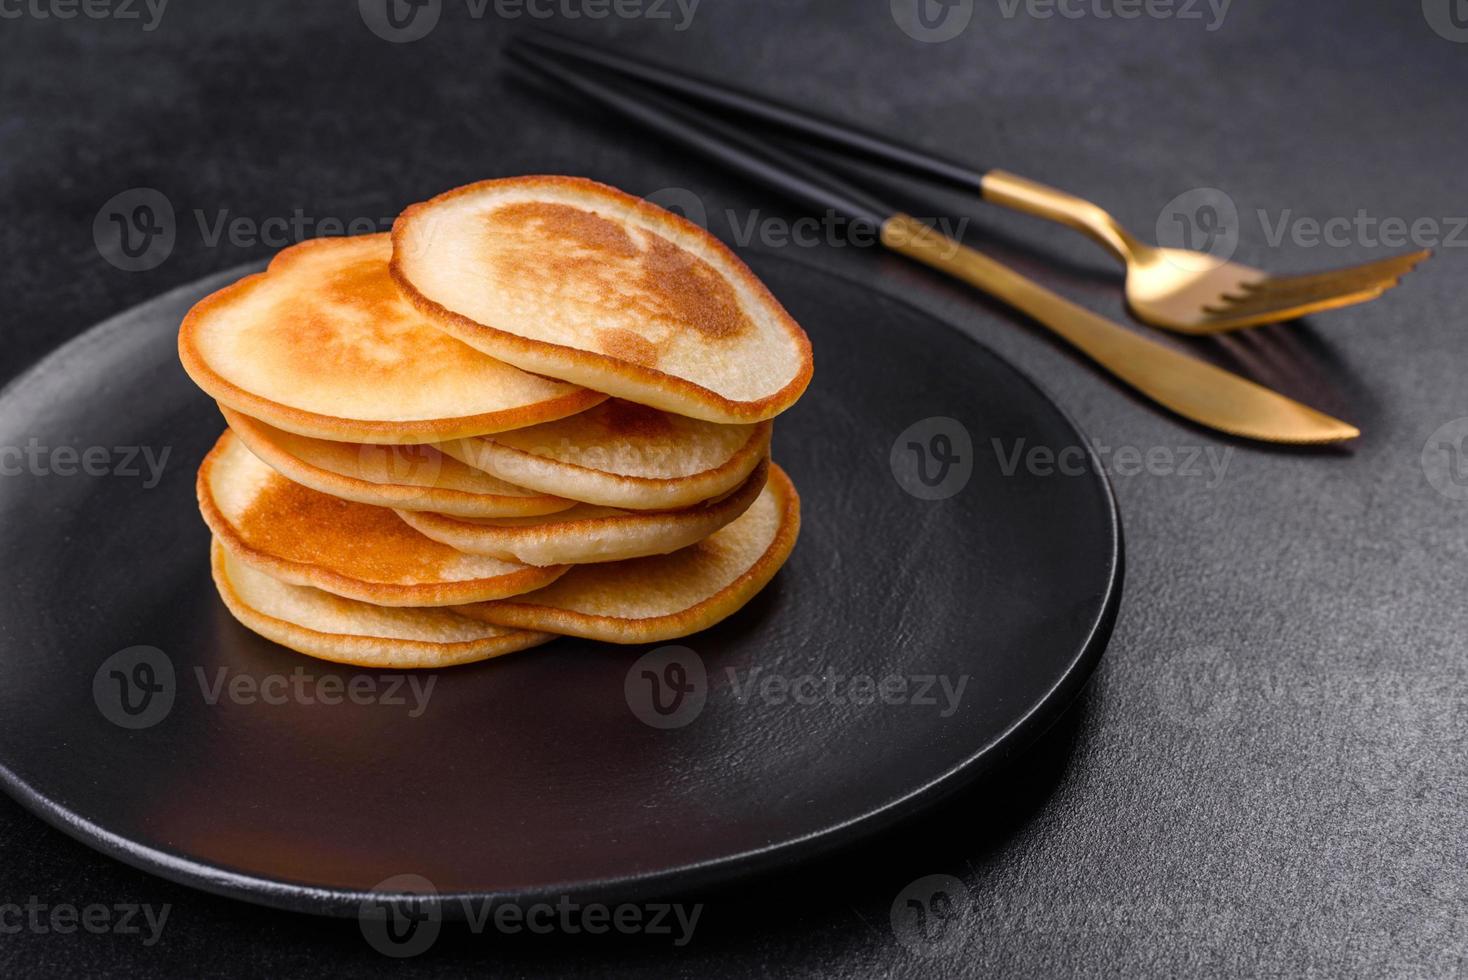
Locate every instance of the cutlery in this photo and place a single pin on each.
(1192, 388)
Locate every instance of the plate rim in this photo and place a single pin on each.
(1038, 718)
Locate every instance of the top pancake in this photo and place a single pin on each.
(323, 344)
(572, 279)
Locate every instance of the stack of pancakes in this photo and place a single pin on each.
(539, 407)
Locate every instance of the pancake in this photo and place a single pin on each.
(644, 600)
(404, 477)
(620, 454)
(323, 625)
(304, 537)
(322, 344)
(574, 280)
(589, 533)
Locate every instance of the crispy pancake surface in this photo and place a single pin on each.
(304, 537)
(575, 280)
(330, 627)
(659, 598)
(406, 477)
(323, 344)
(589, 533)
(621, 454)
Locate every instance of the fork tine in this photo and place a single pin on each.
(1357, 275)
(1267, 302)
(1286, 297)
(1269, 299)
(1228, 319)
(1265, 293)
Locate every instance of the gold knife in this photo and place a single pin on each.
(1188, 386)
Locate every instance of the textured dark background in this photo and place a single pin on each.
(1267, 776)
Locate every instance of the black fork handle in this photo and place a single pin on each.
(818, 190)
(866, 144)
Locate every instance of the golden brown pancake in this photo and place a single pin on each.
(621, 454)
(403, 477)
(330, 627)
(574, 280)
(643, 600)
(304, 537)
(589, 533)
(322, 344)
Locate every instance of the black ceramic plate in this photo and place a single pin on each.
(929, 556)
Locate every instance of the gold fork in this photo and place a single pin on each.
(1194, 292)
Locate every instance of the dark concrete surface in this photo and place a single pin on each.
(1267, 775)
